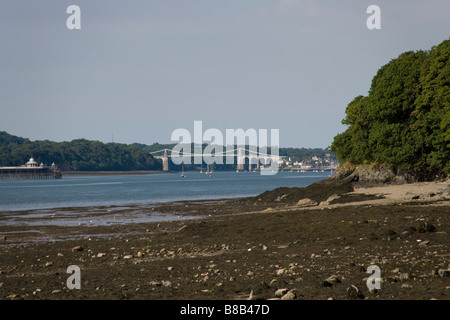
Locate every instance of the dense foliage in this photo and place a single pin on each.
(404, 122)
(80, 154)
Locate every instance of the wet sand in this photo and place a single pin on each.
(314, 243)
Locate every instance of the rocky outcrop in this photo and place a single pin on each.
(371, 175)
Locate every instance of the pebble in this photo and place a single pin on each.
(101, 254)
(128, 256)
(404, 276)
(444, 273)
(48, 264)
(331, 280)
(281, 292)
(280, 271)
(290, 295)
(77, 248)
(424, 243)
(354, 293)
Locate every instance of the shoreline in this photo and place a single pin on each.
(241, 248)
(111, 173)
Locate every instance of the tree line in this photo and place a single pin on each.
(88, 155)
(76, 155)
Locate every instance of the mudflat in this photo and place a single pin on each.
(312, 243)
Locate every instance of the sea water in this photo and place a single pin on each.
(87, 191)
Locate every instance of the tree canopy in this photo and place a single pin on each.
(79, 154)
(404, 121)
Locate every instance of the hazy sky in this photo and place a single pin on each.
(137, 70)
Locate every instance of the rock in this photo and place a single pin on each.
(60, 254)
(410, 230)
(330, 281)
(56, 291)
(415, 197)
(329, 200)
(424, 243)
(155, 283)
(444, 273)
(280, 271)
(170, 268)
(354, 293)
(281, 292)
(140, 254)
(404, 276)
(290, 295)
(77, 249)
(427, 227)
(279, 198)
(128, 256)
(306, 202)
(48, 264)
(166, 284)
(101, 254)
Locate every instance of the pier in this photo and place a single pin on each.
(30, 171)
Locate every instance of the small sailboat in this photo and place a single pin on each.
(182, 172)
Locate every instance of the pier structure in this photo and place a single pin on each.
(31, 170)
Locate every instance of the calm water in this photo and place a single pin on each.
(87, 191)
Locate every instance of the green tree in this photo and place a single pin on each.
(404, 122)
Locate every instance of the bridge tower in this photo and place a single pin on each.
(240, 160)
(165, 161)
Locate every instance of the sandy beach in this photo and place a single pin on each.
(315, 243)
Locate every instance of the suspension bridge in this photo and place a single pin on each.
(242, 154)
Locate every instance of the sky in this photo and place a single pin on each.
(138, 70)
